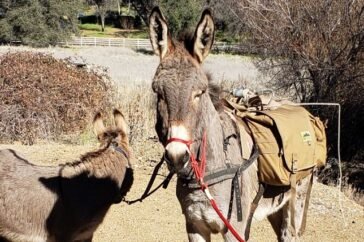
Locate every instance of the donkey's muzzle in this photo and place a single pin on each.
(176, 160)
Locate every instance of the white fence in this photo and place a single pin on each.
(137, 44)
(119, 42)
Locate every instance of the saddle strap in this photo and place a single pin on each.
(222, 174)
(239, 210)
(242, 168)
(235, 190)
(211, 177)
(253, 207)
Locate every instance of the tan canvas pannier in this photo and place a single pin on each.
(290, 141)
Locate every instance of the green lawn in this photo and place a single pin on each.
(225, 37)
(94, 30)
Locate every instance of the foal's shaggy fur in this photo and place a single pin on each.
(67, 202)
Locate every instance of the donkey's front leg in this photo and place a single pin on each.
(197, 232)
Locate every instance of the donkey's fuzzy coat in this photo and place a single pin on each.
(185, 109)
(67, 202)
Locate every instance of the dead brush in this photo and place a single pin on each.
(42, 97)
(138, 101)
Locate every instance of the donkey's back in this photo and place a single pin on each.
(24, 198)
(67, 202)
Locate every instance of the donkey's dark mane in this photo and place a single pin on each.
(86, 157)
(187, 39)
(215, 93)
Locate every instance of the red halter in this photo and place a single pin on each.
(199, 171)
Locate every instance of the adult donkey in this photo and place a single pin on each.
(188, 107)
(66, 202)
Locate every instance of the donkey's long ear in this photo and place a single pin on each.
(158, 31)
(204, 36)
(120, 121)
(98, 124)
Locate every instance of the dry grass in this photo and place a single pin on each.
(138, 104)
(354, 194)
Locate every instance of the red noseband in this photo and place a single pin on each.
(186, 142)
(199, 169)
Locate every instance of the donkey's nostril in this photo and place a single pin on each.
(186, 157)
(174, 158)
(167, 157)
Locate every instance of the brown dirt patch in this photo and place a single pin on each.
(331, 216)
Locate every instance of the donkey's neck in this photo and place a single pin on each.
(220, 126)
(215, 132)
(103, 163)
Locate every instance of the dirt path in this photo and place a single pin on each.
(124, 65)
(159, 217)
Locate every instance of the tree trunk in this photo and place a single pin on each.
(119, 8)
(143, 9)
(102, 16)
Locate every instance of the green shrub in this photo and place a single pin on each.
(38, 22)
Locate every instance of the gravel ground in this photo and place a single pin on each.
(331, 216)
(125, 65)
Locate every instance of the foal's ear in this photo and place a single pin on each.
(204, 36)
(120, 121)
(98, 124)
(158, 31)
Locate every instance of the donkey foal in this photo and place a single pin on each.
(67, 202)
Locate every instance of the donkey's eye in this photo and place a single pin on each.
(198, 95)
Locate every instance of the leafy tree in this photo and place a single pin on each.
(37, 22)
(181, 15)
(315, 49)
(102, 7)
(143, 8)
